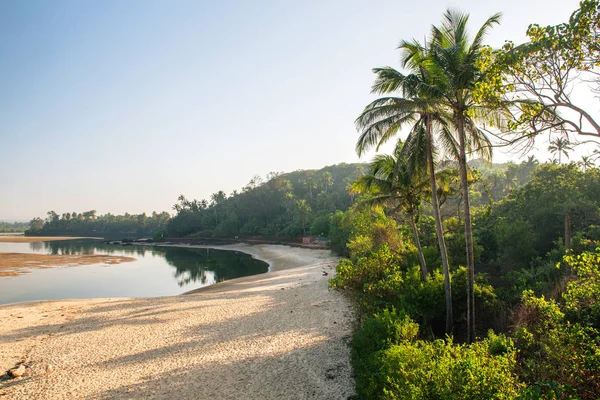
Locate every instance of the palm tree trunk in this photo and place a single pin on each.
(462, 164)
(422, 261)
(439, 230)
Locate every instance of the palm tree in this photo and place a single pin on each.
(586, 163)
(326, 180)
(560, 146)
(405, 195)
(302, 210)
(453, 63)
(216, 200)
(531, 162)
(310, 183)
(384, 117)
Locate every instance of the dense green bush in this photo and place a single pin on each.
(382, 279)
(582, 297)
(404, 369)
(320, 226)
(377, 333)
(359, 230)
(559, 343)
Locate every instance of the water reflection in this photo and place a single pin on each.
(157, 271)
(77, 247)
(36, 246)
(209, 266)
(206, 266)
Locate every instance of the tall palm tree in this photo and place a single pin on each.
(310, 183)
(418, 108)
(403, 192)
(326, 180)
(560, 146)
(453, 62)
(586, 163)
(302, 210)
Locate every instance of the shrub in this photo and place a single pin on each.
(552, 350)
(582, 297)
(377, 333)
(444, 370)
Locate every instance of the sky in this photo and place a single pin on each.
(121, 106)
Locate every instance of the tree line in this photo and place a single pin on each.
(88, 223)
(13, 227)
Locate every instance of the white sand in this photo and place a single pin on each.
(279, 335)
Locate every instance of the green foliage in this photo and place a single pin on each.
(443, 370)
(382, 280)
(582, 297)
(282, 206)
(90, 224)
(455, 242)
(359, 230)
(537, 78)
(320, 226)
(377, 333)
(13, 227)
(559, 345)
(530, 221)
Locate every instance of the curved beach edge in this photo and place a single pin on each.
(282, 334)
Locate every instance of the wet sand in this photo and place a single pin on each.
(12, 264)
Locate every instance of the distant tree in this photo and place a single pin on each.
(36, 224)
(531, 162)
(326, 180)
(310, 183)
(302, 210)
(586, 163)
(560, 146)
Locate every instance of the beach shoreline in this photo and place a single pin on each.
(281, 334)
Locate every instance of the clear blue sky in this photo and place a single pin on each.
(120, 106)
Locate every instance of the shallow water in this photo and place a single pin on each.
(157, 271)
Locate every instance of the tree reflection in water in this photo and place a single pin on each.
(210, 266)
(206, 266)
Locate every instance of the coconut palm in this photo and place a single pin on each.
(531, 162)
(326, 180)
(586, 163)
(452, 62)
(403, 192)
(418, 109)
(310, 183)
(560, 146)
(302, 210)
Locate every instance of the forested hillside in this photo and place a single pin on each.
(284, 205)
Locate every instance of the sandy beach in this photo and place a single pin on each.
(279, 335)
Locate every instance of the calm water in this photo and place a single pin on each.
(158, 271)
